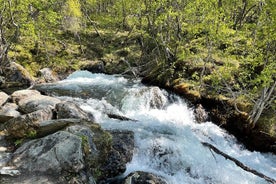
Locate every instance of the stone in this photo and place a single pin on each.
(51, 126)
(61, 151)
(16, 76)
(157, 99)
(3, 98)
(121, 153)
(47, 75)
(31, 100)
(94, 67)
(200, 114)
(21, 94)
(140, 177)
(8, 111)
(71, 110)
(27, 125)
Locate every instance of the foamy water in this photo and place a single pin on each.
(167, 138)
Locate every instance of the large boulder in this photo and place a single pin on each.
(22, 94)
(31, 100)
(8, 111)
(27, 125)
(71, 110)
(140, 177)
(3, 98)
(37, 102)
(16, 76)
(61, 151)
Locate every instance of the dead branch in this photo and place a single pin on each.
(238, 163)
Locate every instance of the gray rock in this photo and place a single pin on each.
(61, 151)
(200, 114)
(3, 98)
(121, 153)
(27, 125)
(47, 75)
(8, 111)
(51, 126)
(157, 100)
(37, 102)
(21, 94)
(71, 110)
(140, 177)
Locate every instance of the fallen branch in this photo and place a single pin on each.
(119, 117)
(238, 163)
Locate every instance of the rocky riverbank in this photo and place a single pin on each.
(44, 139)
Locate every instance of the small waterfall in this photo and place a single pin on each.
(167, 137)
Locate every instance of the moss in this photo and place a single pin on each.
(267, 124)
(102, 140)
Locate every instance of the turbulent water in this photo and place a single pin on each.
(167, 137)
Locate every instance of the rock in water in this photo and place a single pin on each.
(200, 114)
(140, 177)
(72, 110)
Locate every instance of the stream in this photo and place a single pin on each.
(167, 136)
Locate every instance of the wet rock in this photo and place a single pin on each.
(121, 153)
(47, 75)
(61, 151)
(157, 99)
(200, 114)
(71, 110)
(26, 125)
(140, 177)
(8, 111)
(3, 98)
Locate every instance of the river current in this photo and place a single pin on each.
(167, 136)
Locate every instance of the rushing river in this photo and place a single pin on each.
(167, 137)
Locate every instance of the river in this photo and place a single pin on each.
(167, 136)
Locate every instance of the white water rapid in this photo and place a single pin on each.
(167, 137)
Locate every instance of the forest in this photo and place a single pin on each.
(221, 49)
